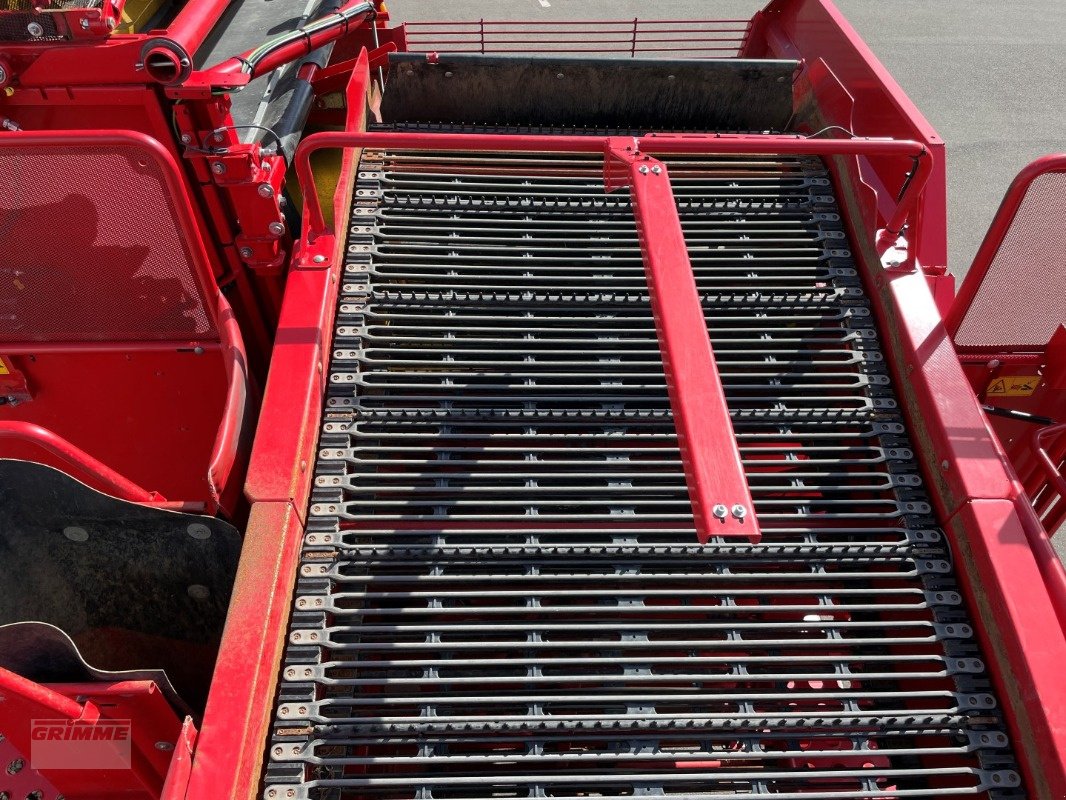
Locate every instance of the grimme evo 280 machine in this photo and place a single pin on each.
(494, 410)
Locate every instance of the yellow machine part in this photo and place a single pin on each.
(136, 14)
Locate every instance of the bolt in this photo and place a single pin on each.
(15, 766)
(319, 259)
(739, 511)
(35, 29)
(944, 465)
(76, 534)
(218, 168)
(657, 170)
(642, 169)
(164, 746)
(3, 75)
(559, 75)
(84, 22)
(199, 592)
(186, 138)
(447, 74)
(995, 363)
(276, 228)
(198, 530)
(720, 511)
(246, 252)
(266, 190)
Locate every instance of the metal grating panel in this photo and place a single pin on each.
(1021, 300)
(501, 594)
(90, 250)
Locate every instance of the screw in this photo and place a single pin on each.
(720, 511)
(76, 534)
(35, 29)
(266, 190)
(656, 170)
(199, 531)
(246, 252)
(319, 259)
(739, 511)
(276, 228)
(643, 170)
(218, 168)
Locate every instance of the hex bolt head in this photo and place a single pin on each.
(246, 252)
(319, 259)
(656, 170)
(164, 746)
(84, 22)
(276, 228)
(265, 190)
(739, 511)
(720, 511)
(642, 169)
(218, 167)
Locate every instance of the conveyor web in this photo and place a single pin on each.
(501, 592)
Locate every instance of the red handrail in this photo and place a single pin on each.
(117, 484)
(690, 144)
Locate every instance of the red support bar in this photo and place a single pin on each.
(683, 144)
(717, 487)
(117, 484)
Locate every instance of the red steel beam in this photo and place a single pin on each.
(717, 487)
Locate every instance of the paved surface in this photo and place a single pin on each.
(989, 75)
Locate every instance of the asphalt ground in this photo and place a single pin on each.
(990, 76)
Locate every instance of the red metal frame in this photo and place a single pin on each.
(997, 231)
(230, 346)
(153, 730)
(718, 489)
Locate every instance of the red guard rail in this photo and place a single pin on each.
(1012, 298)
(226, 330)
(676, 38)
(718, 489)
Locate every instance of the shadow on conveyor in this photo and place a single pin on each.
(100, 589)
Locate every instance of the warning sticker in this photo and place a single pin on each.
(1013, 386)
(4, 370)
